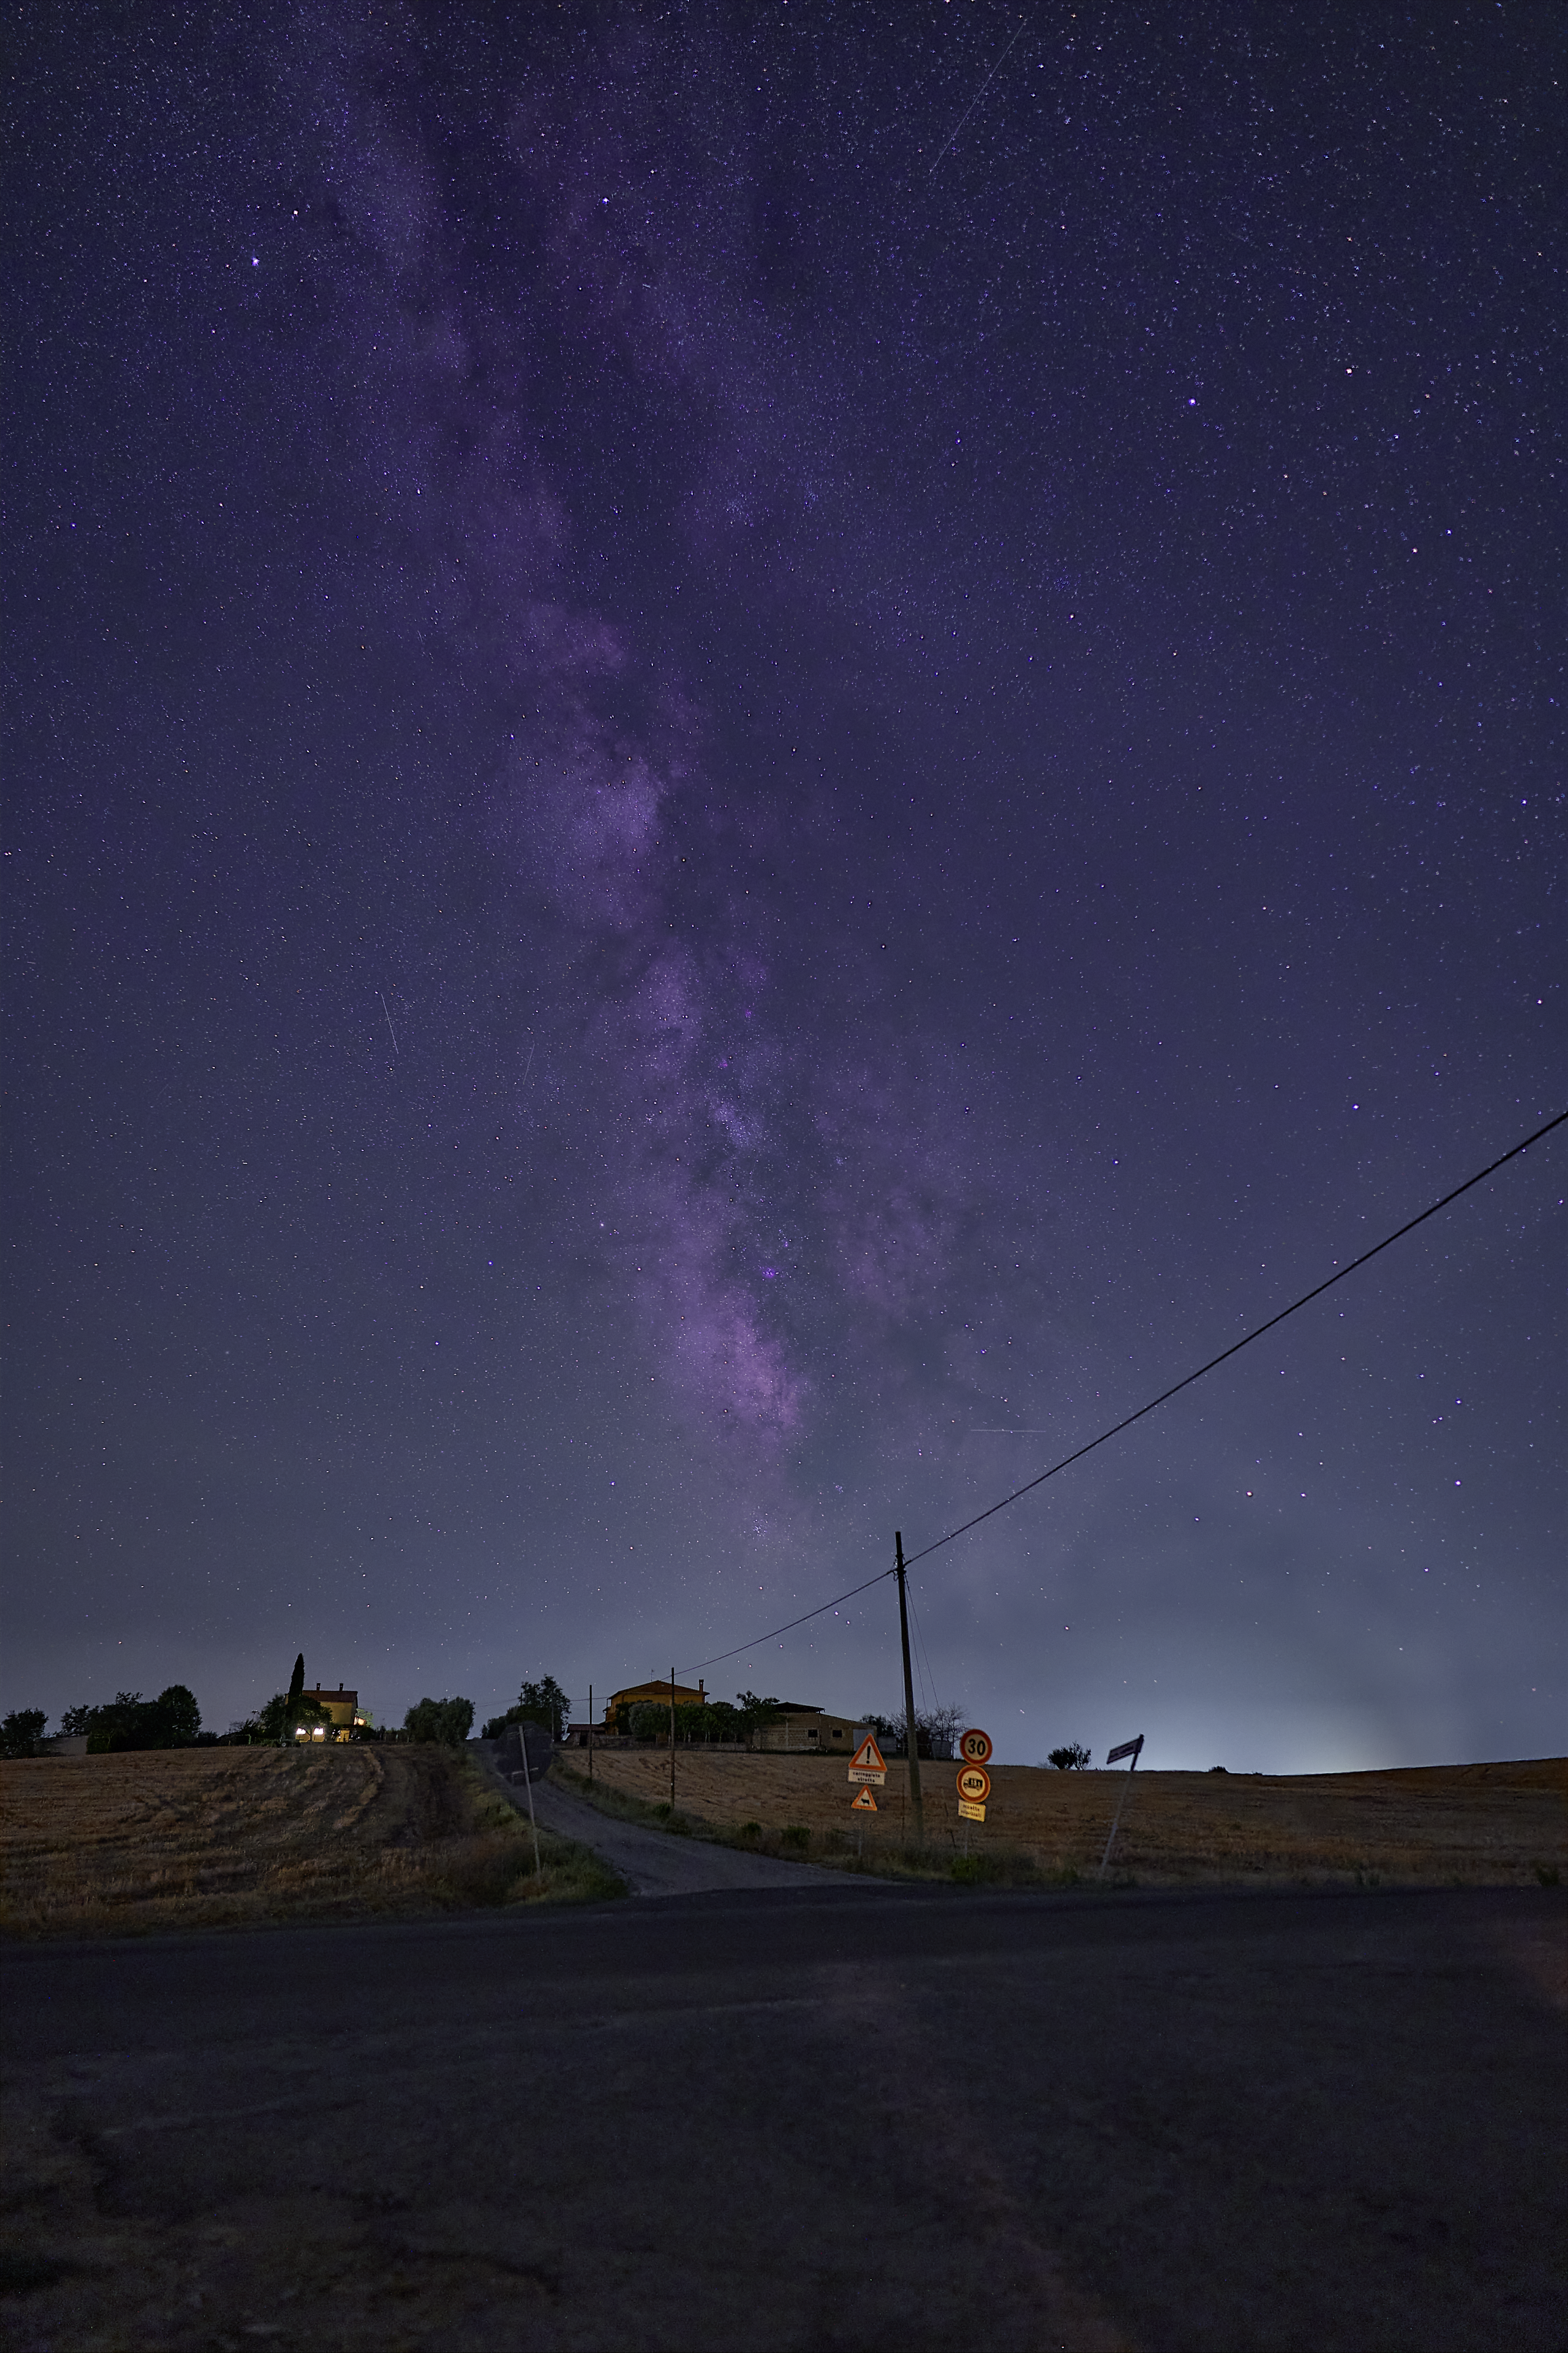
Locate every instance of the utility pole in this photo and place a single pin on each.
(590, 1732)
(912, 1737)
(672, 1740)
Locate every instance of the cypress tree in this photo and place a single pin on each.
(296, 1686)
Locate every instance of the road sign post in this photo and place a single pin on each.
(528, 1785)
(973, 1781)
(868, 1768)
(1133, 1748)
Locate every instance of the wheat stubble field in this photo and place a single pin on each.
(1471, 1825)
(201, 1838)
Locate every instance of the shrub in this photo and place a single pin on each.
(1073, 1758)
(796, 1835)
(282, 1717)
(975, 1870)
(21, 1731)
(749, 1831)
(448, 1722)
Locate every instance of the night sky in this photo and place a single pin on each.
(757, 756)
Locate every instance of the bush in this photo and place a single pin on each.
(21, 1731)
(447, 1722)
(281, 1718)
(976, 1869)
(1070, 1759)
(796, 1835)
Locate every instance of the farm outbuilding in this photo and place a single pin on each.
(800, 1731)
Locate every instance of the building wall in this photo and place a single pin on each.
(342, 1708)
(815, 1736)
(652, 1694)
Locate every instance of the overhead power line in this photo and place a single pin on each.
(1154, 1403)
(1237, 1346)
(719, 1657)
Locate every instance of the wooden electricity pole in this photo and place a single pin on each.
(590, 1732)
(672, 1740)
(911, 1736)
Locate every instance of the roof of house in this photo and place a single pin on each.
(655, 1689)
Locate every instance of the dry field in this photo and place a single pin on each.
(236, 1837)
(1478, 1825)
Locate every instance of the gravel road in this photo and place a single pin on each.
(652, 1862)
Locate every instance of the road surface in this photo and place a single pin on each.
(651, 1861)
(801, 2118)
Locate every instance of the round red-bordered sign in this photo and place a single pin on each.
(975, 1783)
(974, 1746)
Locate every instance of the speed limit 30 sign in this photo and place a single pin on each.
(973, 1781)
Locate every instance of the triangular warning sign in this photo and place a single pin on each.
(868, 1757)
(862, 1802)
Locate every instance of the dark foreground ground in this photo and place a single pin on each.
(814, 2119)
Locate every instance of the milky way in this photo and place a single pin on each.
(717, 836)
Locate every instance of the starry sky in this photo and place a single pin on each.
(757, 756)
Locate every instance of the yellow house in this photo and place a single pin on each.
(343, 1712)
(652, 1696)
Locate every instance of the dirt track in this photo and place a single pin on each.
(1472, 1825)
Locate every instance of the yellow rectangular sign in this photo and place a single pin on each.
(970, 1813)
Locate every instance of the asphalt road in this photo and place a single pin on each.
(651, 1861)
(811, 2119)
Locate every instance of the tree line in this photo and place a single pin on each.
(173, 1720)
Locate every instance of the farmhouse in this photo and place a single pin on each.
(653, 1695)
(343, 1711)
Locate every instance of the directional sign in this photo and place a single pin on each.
(867, 1763)
(862, 1802)
(1127, 1749)
(974, 1785)
(970, 1813)
(976, 1748)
